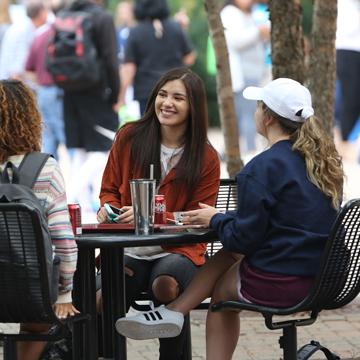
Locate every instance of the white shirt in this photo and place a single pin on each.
(246, 49)
(15, 48)
(348, 25)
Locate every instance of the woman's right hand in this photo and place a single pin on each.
(102, 216)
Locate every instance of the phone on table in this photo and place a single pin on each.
(113, 211)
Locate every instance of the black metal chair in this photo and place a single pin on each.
(24, 281)
(226, 201)
(337, 284)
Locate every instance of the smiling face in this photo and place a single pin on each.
(172, 105)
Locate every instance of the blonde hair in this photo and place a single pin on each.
(323, 162)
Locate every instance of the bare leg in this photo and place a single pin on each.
(203, 283)
(223, 328)
(31, 350)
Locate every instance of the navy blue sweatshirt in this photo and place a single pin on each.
(283, 220)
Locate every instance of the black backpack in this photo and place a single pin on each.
(72, 57)
(18, 190)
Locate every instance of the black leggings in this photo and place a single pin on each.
(145, 272)
(348, 73)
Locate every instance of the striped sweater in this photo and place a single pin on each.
(50, 190)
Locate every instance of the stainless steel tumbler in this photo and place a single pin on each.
(143, 202)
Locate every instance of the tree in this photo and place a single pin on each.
(322, 63)
(224, 90)
(287, 43)
(290, 59)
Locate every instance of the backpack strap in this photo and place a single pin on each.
(30, 167)
(4, 175)
(309, 349)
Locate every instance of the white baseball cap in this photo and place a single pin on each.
(286, 97)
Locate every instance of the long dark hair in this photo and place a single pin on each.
(145, 136)
(151, 9)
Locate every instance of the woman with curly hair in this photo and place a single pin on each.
(288, 197)
(20, 133)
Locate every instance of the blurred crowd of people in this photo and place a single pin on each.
(143, 41)
(79, 127)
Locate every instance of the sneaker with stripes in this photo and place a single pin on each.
(157, 323)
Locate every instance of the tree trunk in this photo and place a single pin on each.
(224, 89)
(287, 43)
(322, 65)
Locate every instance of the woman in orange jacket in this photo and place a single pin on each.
(172, 135)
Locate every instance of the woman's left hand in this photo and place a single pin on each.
(200, 216)
(62, 311)
(126, 217)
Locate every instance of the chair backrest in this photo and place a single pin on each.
(338, 282)
(226, 200)
(24, 283)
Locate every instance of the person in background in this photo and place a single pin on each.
(288, 197)
(5, 20)
(20, 133)
(90, 115)
(18, 38)
(124, 20)
(348, 73)
(49, 96)
(155, 45)
(261, 14)
(172, 135)
(182, 18)
(245, 40)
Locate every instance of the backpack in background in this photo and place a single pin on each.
(72, 58)
(17, 189)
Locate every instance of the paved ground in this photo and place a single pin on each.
(339, 330)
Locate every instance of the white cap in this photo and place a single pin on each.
(285, 97)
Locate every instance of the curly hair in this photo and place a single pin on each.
(20, 121)
(323, 162)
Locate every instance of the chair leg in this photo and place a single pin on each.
(288, 342)
(187, 344)
(9, 349)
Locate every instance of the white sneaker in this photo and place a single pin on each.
(158, 323)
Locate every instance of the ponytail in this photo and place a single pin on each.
(323, 162)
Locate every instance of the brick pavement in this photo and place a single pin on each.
(338, 329)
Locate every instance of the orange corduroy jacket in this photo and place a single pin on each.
(115, 190)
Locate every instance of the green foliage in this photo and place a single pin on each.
(307, 7)
(111, 5)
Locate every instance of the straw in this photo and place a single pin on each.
(151, 171)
